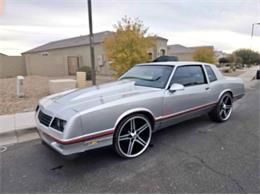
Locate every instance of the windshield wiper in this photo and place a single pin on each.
(140, 78)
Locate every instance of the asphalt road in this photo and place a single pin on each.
(197, 156)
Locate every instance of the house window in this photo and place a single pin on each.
(162, 52)
(45, 53)
(150, 55)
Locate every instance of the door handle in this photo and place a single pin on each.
(207, 88)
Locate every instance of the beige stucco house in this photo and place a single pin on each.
(65, 57)
(184, 53)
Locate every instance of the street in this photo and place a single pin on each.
(197, 156)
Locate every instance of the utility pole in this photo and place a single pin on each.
(252, 34)
(253, 25)
(91, 40)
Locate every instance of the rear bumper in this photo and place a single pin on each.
(237, 97)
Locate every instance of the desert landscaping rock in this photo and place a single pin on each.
(35, 87)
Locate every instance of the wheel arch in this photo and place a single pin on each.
(143, 111)
(225, 91)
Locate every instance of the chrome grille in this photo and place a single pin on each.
(44, 118)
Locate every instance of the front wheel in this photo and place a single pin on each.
(133, 136)
(223, 109)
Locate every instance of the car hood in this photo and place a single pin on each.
(87, 98)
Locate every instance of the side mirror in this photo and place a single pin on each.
(176, 87)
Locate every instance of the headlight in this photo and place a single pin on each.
(58, 124)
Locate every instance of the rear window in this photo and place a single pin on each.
(211, 75)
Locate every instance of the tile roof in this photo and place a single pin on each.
(71, 42)
(177, 48)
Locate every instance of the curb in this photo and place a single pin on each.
(18, 131)
(20, 136)
(17, 122)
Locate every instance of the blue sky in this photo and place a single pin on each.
(225, 24)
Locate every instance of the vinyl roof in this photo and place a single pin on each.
(175, 63)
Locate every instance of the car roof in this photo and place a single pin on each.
(175, 63)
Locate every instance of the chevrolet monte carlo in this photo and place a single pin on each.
(126, 112)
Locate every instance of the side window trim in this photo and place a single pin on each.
(209, 81)
(203, 71)
(168, 85)
(206, 73)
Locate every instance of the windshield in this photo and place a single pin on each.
(149, 76)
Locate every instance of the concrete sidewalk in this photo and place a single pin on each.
(248, 76)
(14, 127)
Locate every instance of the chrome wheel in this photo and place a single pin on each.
(225, 107)
(133, 136)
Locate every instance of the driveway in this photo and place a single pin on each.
(197, 156)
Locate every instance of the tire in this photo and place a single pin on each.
(258, 74)
(132, 136)
(223, 109)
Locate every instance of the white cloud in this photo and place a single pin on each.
(224, 24)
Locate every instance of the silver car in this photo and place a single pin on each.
(126, 112)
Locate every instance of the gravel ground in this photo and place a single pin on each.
(234, 74)
(35, 87)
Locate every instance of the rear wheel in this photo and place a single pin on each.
(223, 109)
(133, 136)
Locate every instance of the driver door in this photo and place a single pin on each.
(192, 101)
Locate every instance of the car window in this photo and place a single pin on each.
(189, 75)
(211, 75)
(149, 76)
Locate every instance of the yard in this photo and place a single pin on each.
(35, 87)
(233, 73)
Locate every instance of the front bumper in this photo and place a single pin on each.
(76, 145)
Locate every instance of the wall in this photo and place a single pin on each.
(183, 56)
(55, 63)
(46, 65)
(11, 66)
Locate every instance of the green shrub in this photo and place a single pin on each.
(87, 70)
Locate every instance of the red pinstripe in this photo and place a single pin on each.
(185, 111)
(81, 139)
